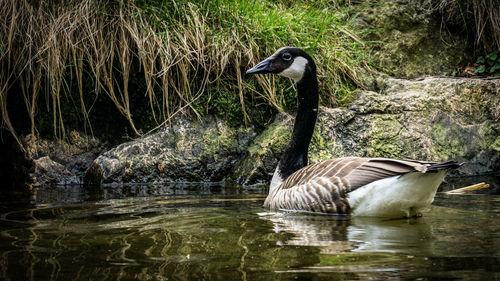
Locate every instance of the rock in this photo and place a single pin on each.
(48, 172)
(263, 155)
(412, 39)
(432, 119)
(62, 162)
(199, 151)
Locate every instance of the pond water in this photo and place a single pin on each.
(199, 232)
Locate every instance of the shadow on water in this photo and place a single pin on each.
(202, 232)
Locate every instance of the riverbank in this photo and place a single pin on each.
(372, 61)
(434, 119)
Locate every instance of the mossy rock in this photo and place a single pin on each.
(263, 155)
(412, 40)
(186, 150)
(433, 119)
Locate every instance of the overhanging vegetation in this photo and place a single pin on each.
(176, 55)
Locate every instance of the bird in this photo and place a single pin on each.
(358, 186)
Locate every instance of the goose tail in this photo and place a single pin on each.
(448, 165)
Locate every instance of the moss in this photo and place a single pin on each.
(322, 147)
(452, 139)
(487, 136)
(448, 143)
(263, 154)
(384, 138)
(211, 143)
(274, 138)
(473, 101)
(496, 144)
(215, 141)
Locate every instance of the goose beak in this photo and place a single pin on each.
(262, 67)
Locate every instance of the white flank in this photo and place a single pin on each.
(276, 181)
(296, 70)
(397, 196)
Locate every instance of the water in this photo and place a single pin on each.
(214, 233)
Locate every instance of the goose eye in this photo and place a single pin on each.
(286, 56)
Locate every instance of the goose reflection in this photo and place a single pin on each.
(340, 234)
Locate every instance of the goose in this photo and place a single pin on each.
(357, 186)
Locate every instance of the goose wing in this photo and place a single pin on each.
(355, 172)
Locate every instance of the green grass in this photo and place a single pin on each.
(143, 62)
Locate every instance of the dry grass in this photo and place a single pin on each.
(48, 46)
(480, 18)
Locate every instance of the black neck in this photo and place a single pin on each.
(295, 155)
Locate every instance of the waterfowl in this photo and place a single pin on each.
(352, 185)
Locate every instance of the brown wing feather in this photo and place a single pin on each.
(358, 171)
(328, 168)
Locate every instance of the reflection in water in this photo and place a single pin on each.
(224, 234)
(338, 234)
(412, 236)
(327, 232)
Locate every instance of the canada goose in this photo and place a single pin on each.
(352, 185)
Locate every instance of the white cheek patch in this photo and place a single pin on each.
(296, 70)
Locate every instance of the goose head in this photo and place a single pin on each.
(290, 62)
